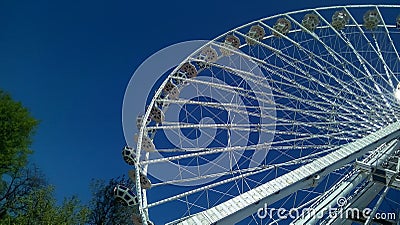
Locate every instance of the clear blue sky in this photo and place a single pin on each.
(70, 61)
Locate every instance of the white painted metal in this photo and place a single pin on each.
(359, 201)
(340, 111)
(379, 155)
(292, 181)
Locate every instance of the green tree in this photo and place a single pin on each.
(16, 186)
(104, 209)
(25, 196)
(29, 200)
(16, 129)
(40, 208)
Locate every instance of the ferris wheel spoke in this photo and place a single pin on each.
(243, 92)
(243, 110)
(289, 62)
(332, 51)
(200, 177)
(364, 63)
(346, 41)
(206, 187)
(308, 77)
(326, 97)
(390, 40)
(240, 148)
(385, 66)
(377, 49)
(366, 100)
(240, 189)
(299, 161)
(334, 55)
(191, 204)
(232, 89)
(244, 174)
(253, 127)
(223, 193)
(302, 87)
(210, 151)
(298, 45)
(308, 89)
(216, 105)
(323, 126)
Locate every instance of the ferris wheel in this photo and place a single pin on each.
(297, 110)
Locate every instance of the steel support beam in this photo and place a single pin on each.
(246, 204)
(362, 199)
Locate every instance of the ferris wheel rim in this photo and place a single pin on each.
(159, 90)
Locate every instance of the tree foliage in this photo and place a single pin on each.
(28, 199)
(104, 209)
(17, 185)
(25, 196)
(39, 207)
(16, 129)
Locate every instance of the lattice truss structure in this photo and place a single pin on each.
(294, 111)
